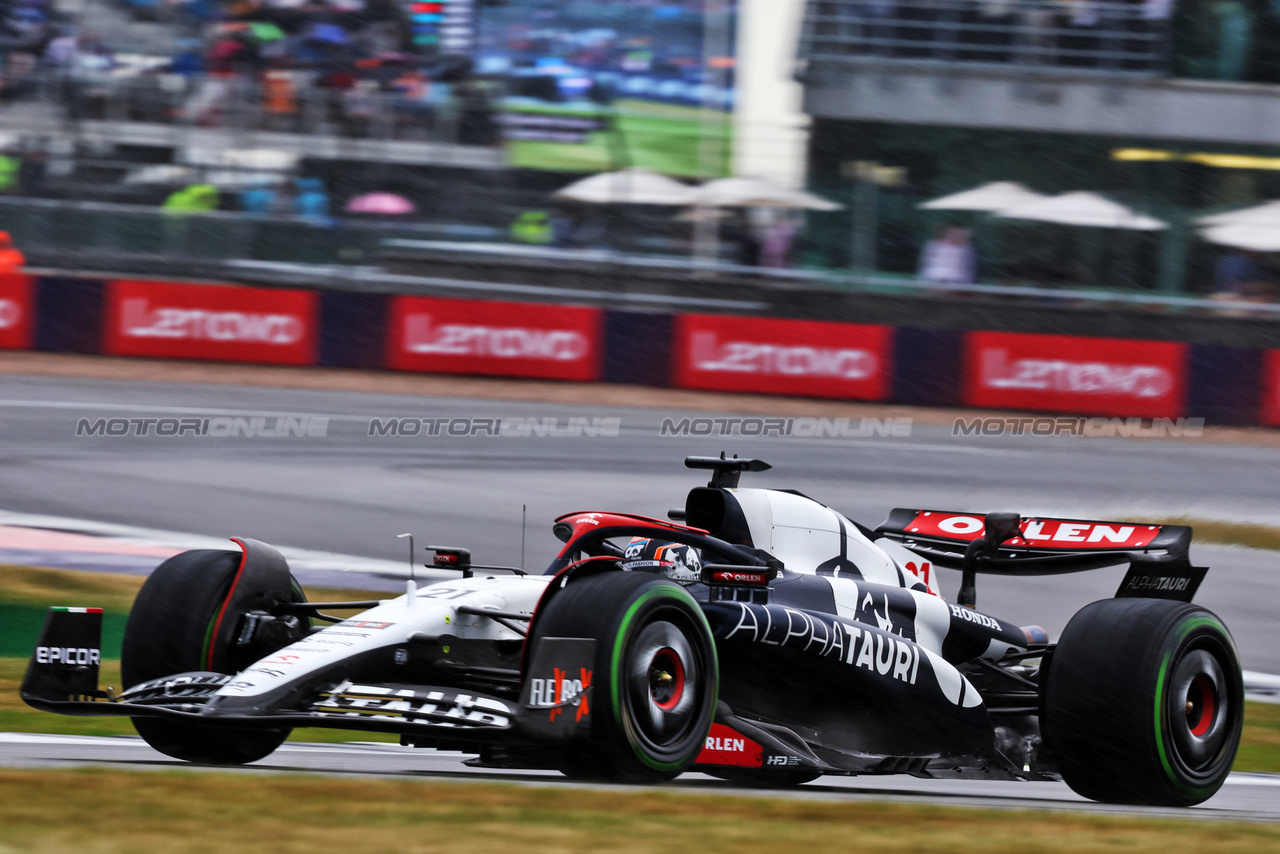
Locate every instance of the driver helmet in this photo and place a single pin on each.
(676, 561)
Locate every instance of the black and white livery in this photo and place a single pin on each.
(759, 636)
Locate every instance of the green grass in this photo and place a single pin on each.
(663, 138)
(101, 811)
(1230, 533)
(1260, 744)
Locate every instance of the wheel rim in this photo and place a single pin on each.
(661, 677)
(1199, 708)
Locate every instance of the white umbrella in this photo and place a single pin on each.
(273, 159)
(1265, 213)
(1261, 237)
(634, 186)
(161, 173)
(1085, 209)
(758, 193)
(998, 195)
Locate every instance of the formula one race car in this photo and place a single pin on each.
(763, 638)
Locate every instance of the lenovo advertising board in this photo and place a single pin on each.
(1269, 414)
(219, 322)
(1074, 374)
(849, 361)
(537, 340)
(17, 306)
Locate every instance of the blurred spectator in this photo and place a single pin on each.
(10, 172)
(32, 172)
(312, 201)
(562, 228)
(258, 199)
(532, 227)
(778, 239)
(741, 239)
(11, 258)
(948, 258)
(1237, 274)
(61, 50)
(285, 203)
(358, 105)
(196, 198)
(280, 99)
(189, 60)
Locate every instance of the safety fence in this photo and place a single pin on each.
(844, 361)
(1081, 36)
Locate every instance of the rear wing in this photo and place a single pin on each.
(1007, 544)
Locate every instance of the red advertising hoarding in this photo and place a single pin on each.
(1270, 412)
(220, 322)
(17, 306)
(1064, 373)
(850, 361)
(454, 336)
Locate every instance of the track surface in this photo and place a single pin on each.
(1245, 796)
(351, 493)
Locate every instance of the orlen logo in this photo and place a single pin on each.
(559, 692)
(1039, 532)
(67, 655)
(10, 314)
(1060, 375)
(726, 746)
(736, 745)
(726, 577)
(140, 320)
(467, 339)
(797, 361)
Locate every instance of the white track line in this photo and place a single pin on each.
(308, 559)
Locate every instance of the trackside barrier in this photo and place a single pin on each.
(1224, 384)
(224, 323)
(352, 330)
(1269, 405)
(16, 309)
(851, 361)
(1067, 373)
(69, 314)
(848, 361)
(928, 366)
(454, 336)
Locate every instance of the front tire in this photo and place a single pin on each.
(1144, 702)
(655, 688)
(169, 631)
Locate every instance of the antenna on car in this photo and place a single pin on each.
(411, 588)
(524, 518)
(726, 470)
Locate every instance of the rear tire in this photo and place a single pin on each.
(655, 688)
(1144, 702)
(169, 631)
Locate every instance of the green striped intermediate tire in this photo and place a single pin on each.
(654, 688)
(1144, 702)
(169, 631)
